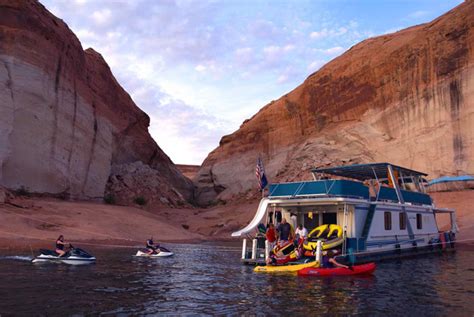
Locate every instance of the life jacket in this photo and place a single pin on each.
(59, 246)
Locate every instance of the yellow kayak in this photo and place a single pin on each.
(284, 268)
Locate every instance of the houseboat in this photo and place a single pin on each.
(378, 211)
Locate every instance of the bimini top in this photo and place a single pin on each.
(447, 179)
(367, 171)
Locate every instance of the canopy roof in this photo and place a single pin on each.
(446, 179)
(367, 171)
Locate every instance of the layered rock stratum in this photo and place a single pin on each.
(189, 171)
(65, 121)
(405, 98)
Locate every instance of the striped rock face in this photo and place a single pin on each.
(64, 119)
(405, 98)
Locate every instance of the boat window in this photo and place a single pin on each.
(403, 220)
(388, 220)
(419, 223)
(330, 218)
(278, 216)
(311, 220)
(270, 217)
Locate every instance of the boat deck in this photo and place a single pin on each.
(365, 257)
(253, 261)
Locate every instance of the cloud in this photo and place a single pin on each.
(319, 34)
(263, 29)
(274, 49)
(244, 55)
(331, 51)
(86, 35)
(54, 10)
(272, 54)
(102, 17)
(288, 74)
(328, 33)
(181, 130)
(334, 50)
(341, 31)
(283, 78)
(199, 68)
(316, 65)
(276, 57)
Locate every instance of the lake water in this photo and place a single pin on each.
(209, 280)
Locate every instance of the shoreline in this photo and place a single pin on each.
(31, 222)
(36, 244)
(33, 246)
(37, 222)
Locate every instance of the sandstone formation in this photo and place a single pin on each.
(137, 181)
(189, 171)
(65, 121)
(3, 195)
(405, 98)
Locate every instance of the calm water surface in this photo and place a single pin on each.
(209, 280)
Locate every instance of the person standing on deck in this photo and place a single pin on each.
(271, 236)
(284, 231)
(293, 221)
(301, 231)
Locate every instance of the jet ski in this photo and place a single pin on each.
(73, 256)
(163, 252)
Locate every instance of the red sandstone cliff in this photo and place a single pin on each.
(189, 171)
(406, 98)
(66, 124)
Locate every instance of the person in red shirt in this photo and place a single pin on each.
(271, 235)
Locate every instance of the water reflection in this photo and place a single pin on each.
(210, 280)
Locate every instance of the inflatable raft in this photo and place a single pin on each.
(368, 268)
(288, 252)
(330, 235)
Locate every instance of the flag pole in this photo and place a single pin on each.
(262, 179)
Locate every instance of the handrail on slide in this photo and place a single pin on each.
(262, 208)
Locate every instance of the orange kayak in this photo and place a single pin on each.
(368, 268)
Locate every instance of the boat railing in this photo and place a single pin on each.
(343, 188)
(321, 188)
(390, 194)
(452, 217)
(404, 235)
(257, 252)
(360, 244)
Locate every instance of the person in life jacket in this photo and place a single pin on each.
(151, 247)
(328, 260)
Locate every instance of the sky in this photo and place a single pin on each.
(200, 68)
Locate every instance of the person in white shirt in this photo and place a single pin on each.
(301, 231)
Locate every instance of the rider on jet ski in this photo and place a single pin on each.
(60, 246)
(151, 247)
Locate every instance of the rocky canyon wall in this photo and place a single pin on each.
(65, 122)
(405, 98)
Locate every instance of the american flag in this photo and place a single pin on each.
(260, 172)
